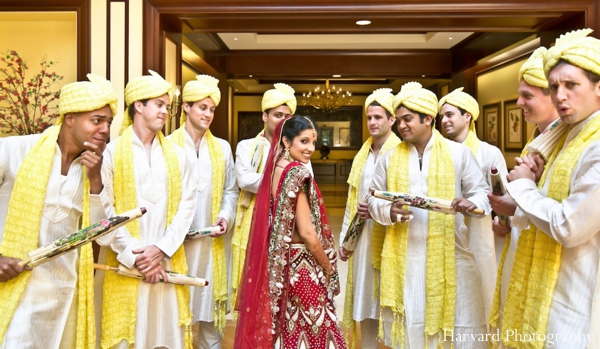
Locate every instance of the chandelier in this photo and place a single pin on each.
(326, 99)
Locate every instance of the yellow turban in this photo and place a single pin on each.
(144, 87)
(413, 96)
(578, 49)
(532, 71)
(280, 95)
(83, 96)
(196, 90)
(461, 100)
(384, 97)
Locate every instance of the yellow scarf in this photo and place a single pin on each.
(242, 229)
(120, 293)
(495, 310)
(537, 259)
(219, 272)
(21, 235)
(472, 142)
(441, 268)
(354, 184)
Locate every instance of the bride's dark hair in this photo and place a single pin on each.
(295, 125)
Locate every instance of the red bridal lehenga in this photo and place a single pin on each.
(309, 314)
(286, 300)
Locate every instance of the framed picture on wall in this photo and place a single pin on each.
(491, 123)
(514, 127)
(250, 123)
(344, 137)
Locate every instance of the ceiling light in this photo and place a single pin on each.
(326, 99)
(450, 38)
(422, 76)
(250, 76)
(336, 75)
(363, 22)
(235, 39)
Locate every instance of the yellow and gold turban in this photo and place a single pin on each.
(83, 96)
(461, 100)
(280, 95)
(413, 96)
(384, 97)
(577, 48)
(144, 87)
(196, 90)
(532, 71)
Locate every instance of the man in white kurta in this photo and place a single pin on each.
(250, 158)
(459, 111)
(158, 314)
(201, 97)
(46, 313)
(571, 224)
(534, 98)
(362, 301)
(470, 192)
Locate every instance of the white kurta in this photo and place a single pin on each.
(469, 183)
(247, 179)
(158, 315)
(575, 224)
(481, 236)
(199, 251)
(46, 315)
(518, 223)
(366, 302)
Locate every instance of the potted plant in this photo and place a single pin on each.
(26, 105)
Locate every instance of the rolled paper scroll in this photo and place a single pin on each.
(499, 190)
(353, 233)
(545, 143)
(198, 233)
(173, 278)
(81, 237)
(423, 202)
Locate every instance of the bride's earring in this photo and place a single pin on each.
(286, 154)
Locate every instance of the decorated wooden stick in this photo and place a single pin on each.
(353, 233)
(174, 278)
(426, 203)
(81, 237)
(198, 233)
(499, 189)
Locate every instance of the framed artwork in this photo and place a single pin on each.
(345, 124)
(491, 123)
(250, 123)
(514, 127)
(325, 137)
(344, 136)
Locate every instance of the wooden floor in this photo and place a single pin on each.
(335, 197)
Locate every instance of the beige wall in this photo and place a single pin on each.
(498, 86)
(253, 103)
(35, 35)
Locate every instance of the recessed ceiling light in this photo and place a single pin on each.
(336, 75)
(236, 39)
(450, 38)
(422, 76)
(363, 22)
(250, 75)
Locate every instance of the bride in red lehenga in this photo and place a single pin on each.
(290, 276)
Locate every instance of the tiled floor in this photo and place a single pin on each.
(335, 196)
